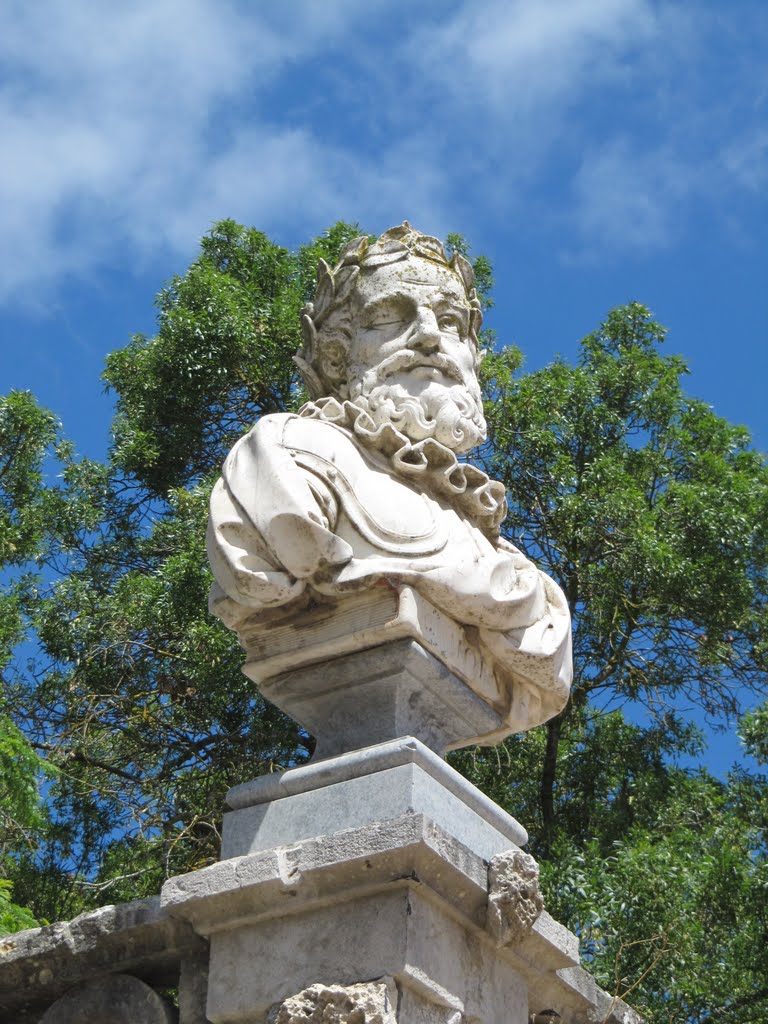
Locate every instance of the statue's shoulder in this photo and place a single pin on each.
(307, 434)
(304, 432)
(280, 436)
(271, 427)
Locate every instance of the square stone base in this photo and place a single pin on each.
(375, 784)
(398, 688)
(383, 888)
(400, 899)
(440, 970)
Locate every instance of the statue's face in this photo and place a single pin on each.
(410, 327)
(411, 359)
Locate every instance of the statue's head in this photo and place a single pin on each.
(394, 329)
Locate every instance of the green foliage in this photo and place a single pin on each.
(753, 730)
(611, 774)
(480, 264)
(26, 433)
(650, 511)
(18, 791)
(661, 872)
(647, 507)
(221, 358)
(137, 695)
(148, 717)
(675, 914)
(20, 816)
(12, 917)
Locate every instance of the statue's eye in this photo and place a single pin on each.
(385, 320)
(449, 322)
(388, 315)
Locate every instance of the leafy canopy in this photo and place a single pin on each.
(648, 509)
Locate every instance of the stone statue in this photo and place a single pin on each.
(352, 523)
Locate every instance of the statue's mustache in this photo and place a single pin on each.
(408, 360)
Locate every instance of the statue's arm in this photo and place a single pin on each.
(270, 527)
(538, 651)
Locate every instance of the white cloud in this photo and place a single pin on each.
(746, 159)
(290, 179)
(128, 129)
(517, 57)
(511, 82)
(629, 198)
(104, 99)
(117, 126)
(608, 120)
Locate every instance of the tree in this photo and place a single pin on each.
(648, 508)
(27, 432)
(650, 511)
(137, 695)
(660, 871)
(222, 357)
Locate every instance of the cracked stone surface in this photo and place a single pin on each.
(514, 900)
(373, 1002)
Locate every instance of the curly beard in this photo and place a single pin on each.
(453, 416)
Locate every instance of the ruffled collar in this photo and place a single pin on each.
(427, 464)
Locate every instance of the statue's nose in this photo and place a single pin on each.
(425, 334)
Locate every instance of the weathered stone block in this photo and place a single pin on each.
(373, 1002)
(402, 898)
(113, 999)
(514, 900)
(138, 938)
(378, 783)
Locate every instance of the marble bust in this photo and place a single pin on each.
(322, 517)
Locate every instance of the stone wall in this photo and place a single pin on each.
(379, 887)
(107, 967)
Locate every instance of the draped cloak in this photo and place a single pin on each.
(302, 510)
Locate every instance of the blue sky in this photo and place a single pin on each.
(596, 150)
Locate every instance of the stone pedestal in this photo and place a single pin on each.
(357, 889)
(379, 665)
(377, 784)
(395, 689)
